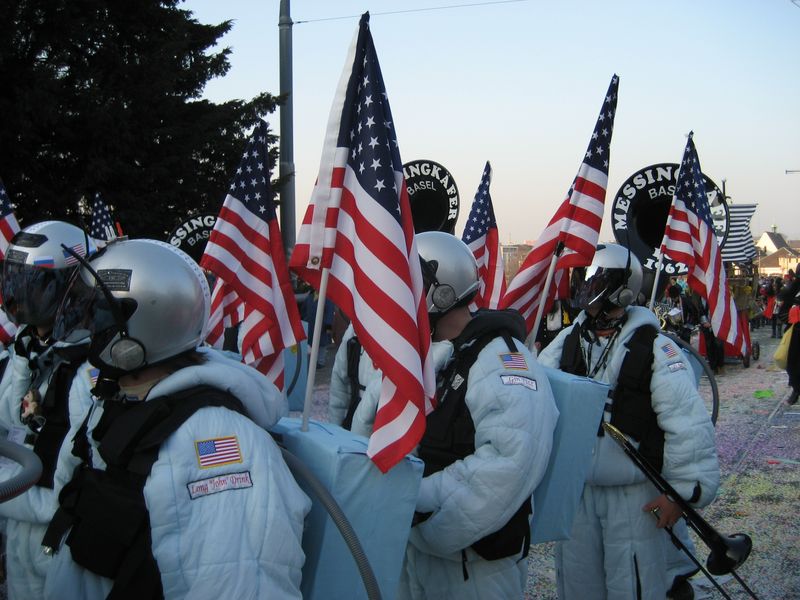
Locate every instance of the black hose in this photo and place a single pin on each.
(301, 471)
(27, 478)
(706, 369)
(297, 366)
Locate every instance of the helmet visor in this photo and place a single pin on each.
(31, 294)
(598, 285)
(84, 312)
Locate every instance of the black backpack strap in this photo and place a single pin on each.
(512, 346)
(449, 429)
(572, 360)
(356, 387)
(632, 410)
(512, 538)
(55, 410)
(133, 442)
(450, 436)
(105, 511)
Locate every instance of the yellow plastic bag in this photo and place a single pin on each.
(782, 353)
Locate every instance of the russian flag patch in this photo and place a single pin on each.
(46, 262)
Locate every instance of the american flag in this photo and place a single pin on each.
(69, 255)
(217, 452)
(359, 226)
(227, 310)
(576, 223)
(102, 227)
(245, 252)
(8, 228)
(514, 360)
(689, 238)
(480, 234)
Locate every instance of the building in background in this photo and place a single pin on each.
(513, 255)
(778, 263)
(775, 255)
(771, 241)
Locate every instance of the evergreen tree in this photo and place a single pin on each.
(105, 95)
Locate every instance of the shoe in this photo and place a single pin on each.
(792, 399)
(681, 590)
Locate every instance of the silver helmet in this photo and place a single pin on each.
(613, 279)
(38, 264)
(142, 302)
(448, 269)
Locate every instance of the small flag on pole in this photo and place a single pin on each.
(245, 252)
(359, 226)
(8, 228)
(102, 227)
(689, 237)
(482, 237)
(576, 223)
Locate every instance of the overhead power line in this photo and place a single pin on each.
(411, 10)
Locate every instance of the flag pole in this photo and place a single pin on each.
(655, 280)
(540, 309)
(319, 317)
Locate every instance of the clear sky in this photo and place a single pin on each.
(520, 84)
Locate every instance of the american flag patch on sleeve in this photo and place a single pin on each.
(669, 350)
(218, 451)
(514, 360)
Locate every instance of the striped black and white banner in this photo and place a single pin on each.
(739, 246)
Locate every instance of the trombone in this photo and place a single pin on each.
(727, 552)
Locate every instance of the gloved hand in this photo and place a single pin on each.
(441, 352)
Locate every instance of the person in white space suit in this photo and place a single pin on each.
(617, 549)
(486, 444)
(182, 492)
(353, 370)
(44, 392)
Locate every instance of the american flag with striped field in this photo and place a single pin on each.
(482, 237)
(102, 227)
(689, 237)
(514, 360)
(576, 223)
(359, 226)
(245, 252)
(218, 451)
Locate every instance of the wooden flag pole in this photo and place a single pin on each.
(540, 309)
(312, 359)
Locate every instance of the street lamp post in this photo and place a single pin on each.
(286, 165)
(725, 196)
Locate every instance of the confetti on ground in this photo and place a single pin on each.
(763, 394)
(788, 461)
